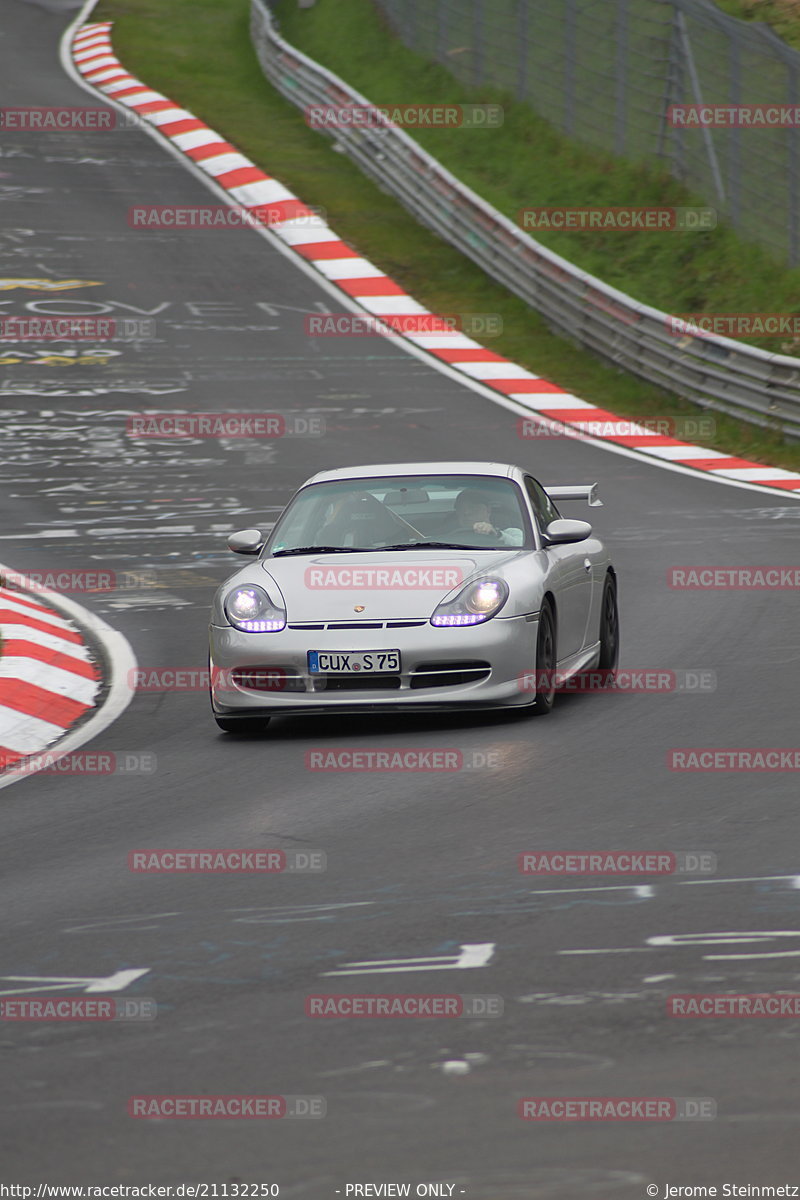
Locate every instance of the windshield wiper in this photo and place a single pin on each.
(436, 546)
(380, 549)
(323, 550)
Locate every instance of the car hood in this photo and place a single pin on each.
(390, 586)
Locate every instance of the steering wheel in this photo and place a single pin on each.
(468, 534)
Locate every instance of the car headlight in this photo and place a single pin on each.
(250, 609)
(476, 602)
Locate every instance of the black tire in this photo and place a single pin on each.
(546, 659)
(242, 724)
(609, 626)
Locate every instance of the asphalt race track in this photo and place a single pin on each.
(418, 864)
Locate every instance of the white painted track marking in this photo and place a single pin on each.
(111, 983)
(472, 955)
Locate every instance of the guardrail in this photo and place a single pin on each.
(710, 371)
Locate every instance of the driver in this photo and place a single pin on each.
(473, 509)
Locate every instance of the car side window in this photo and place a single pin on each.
(541, 503)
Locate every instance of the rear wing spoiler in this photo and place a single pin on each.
(578, 491)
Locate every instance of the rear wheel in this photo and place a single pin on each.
(242, 724)
(609, 626)
(545, 660)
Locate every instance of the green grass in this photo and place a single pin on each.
(526, 163)
(782, 16)
(199, 53)
(526, 46)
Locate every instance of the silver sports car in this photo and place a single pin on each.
(412, 586)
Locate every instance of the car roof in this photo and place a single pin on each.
(425, 468)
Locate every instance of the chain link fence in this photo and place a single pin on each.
(606, 72)
(713, 372)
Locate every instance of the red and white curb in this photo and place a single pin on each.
(375, 292)
(48, 678)
(64, 677)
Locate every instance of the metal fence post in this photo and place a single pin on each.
(793, 154)
(411, 24)
(686, 46)
(622, 67)
(570, 42)
(734, 136)
(522, 42)
(673, 92)
(441, 31)
(478, 43)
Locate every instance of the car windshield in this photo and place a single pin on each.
(403, 513)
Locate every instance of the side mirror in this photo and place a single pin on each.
(562, 532)
(249, 541)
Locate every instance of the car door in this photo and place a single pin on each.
(570, 577)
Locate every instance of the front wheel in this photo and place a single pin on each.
(242, 724)
(609, 626)
(545, 661)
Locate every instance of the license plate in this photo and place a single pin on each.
(353, 662)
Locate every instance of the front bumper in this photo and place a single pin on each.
(488, 662)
